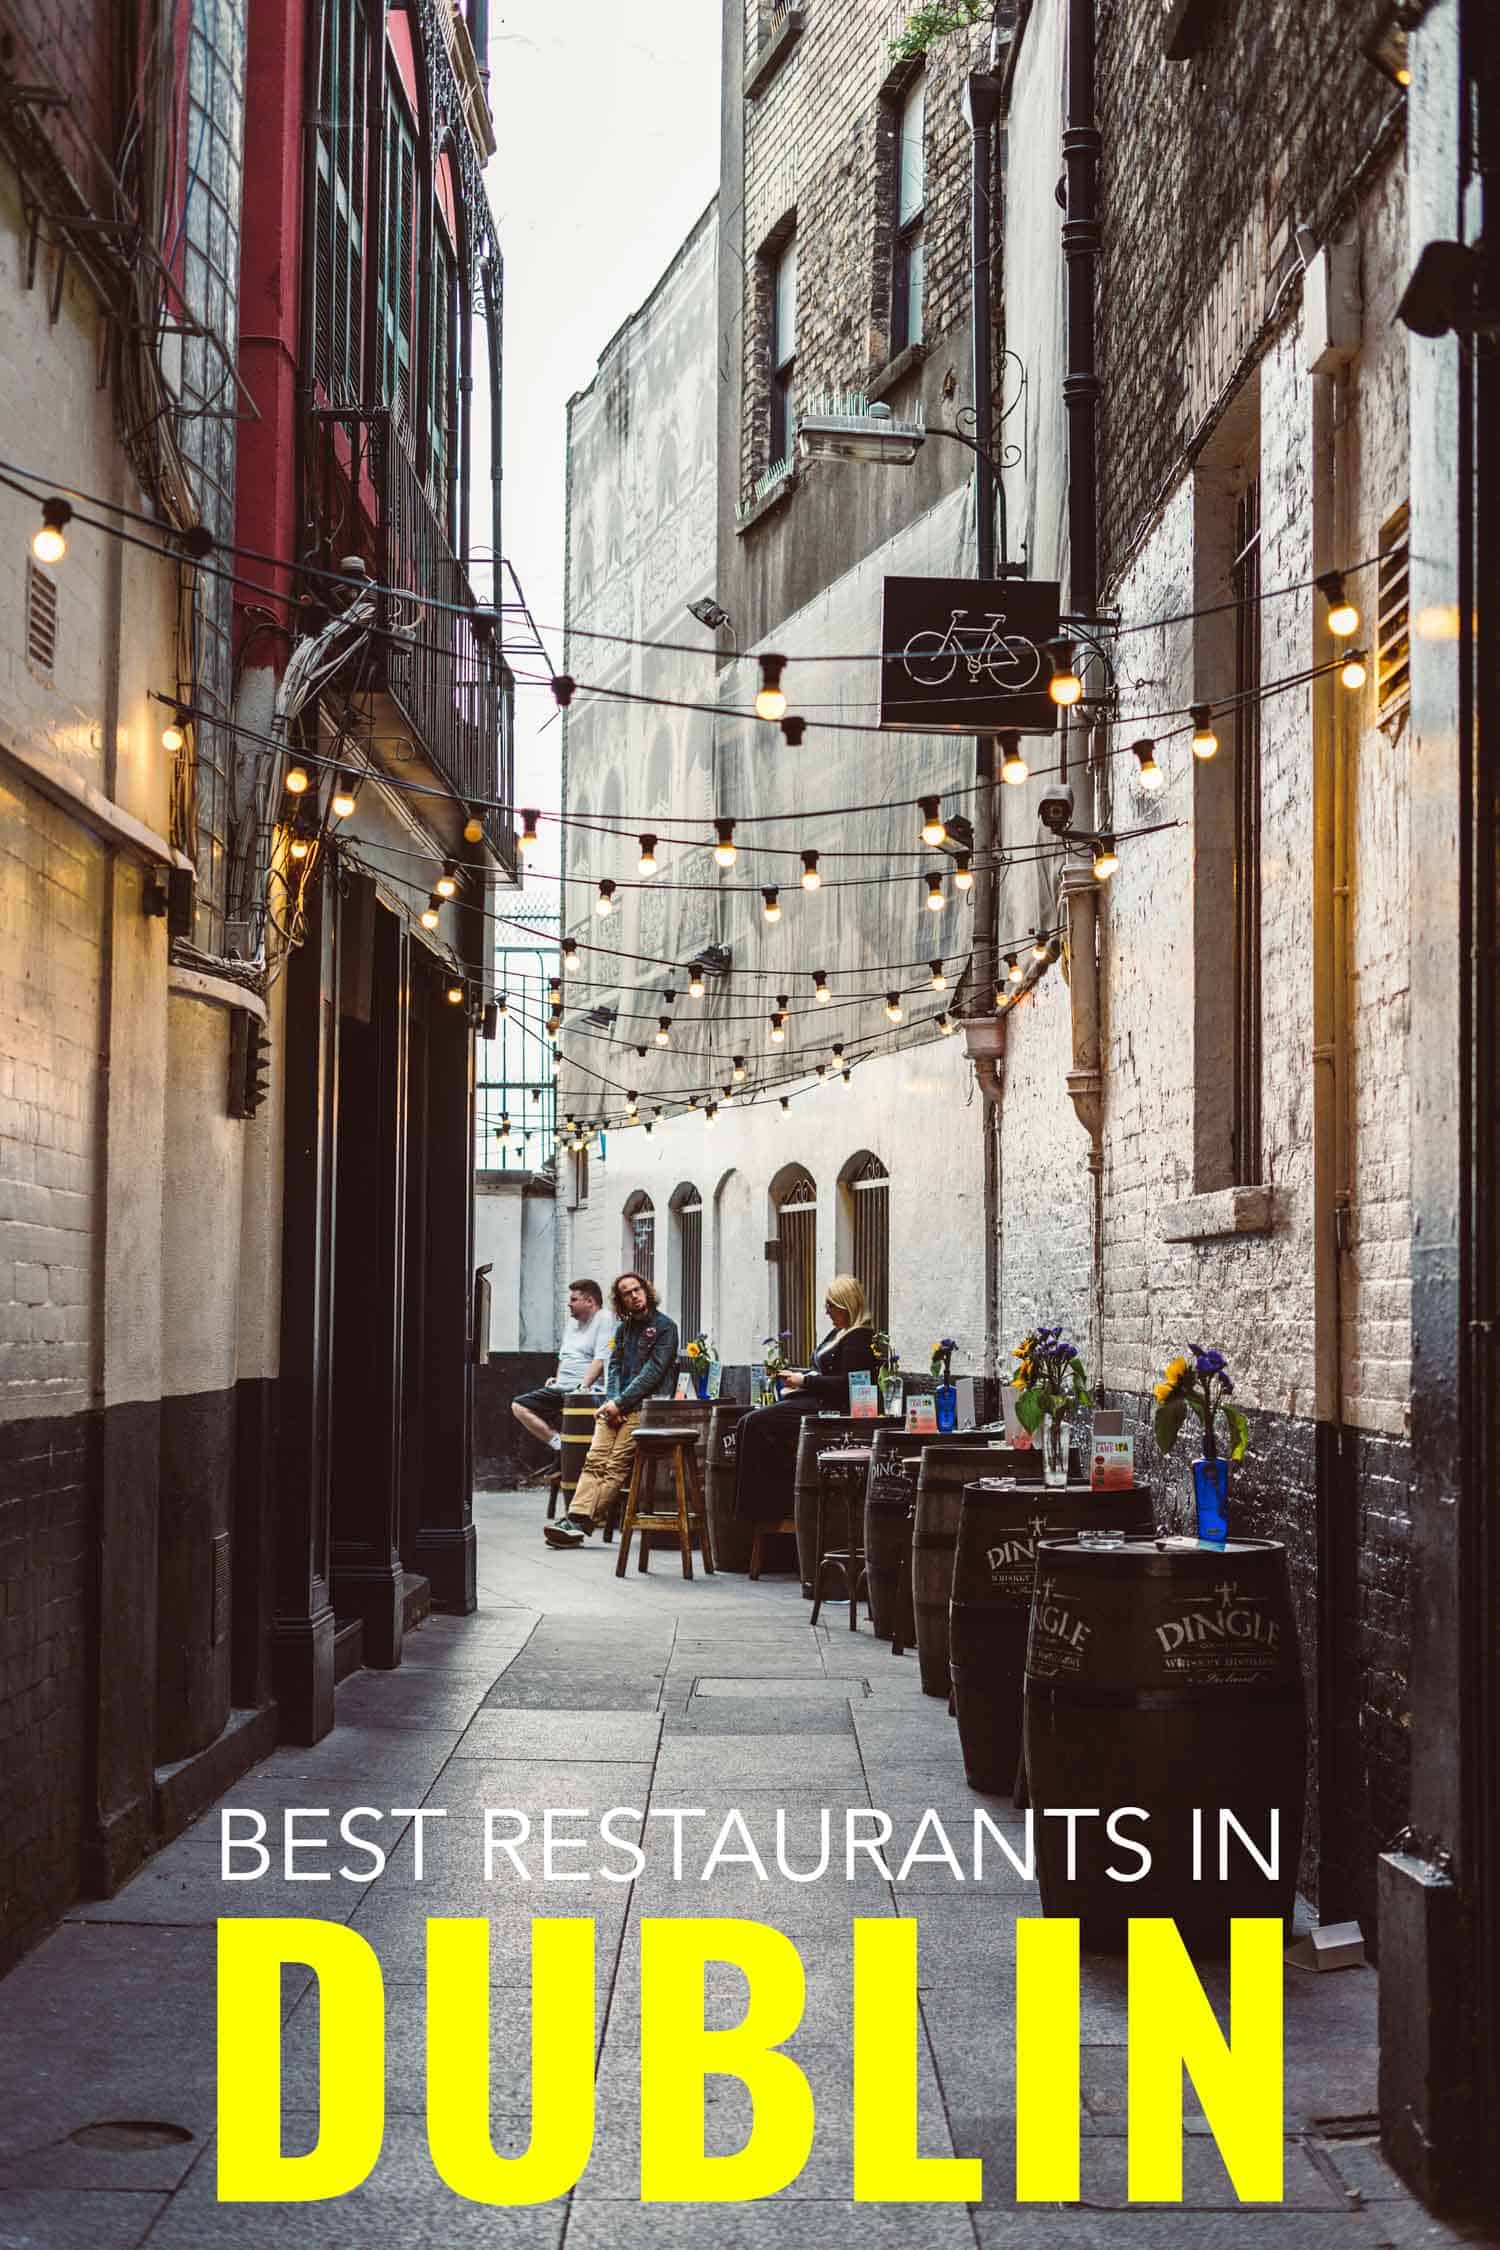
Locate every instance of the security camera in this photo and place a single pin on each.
(1055, 808)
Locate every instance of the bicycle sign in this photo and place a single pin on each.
(966, 656)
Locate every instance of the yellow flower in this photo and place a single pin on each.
(1175, 1369)
(694, 1352)
(1163, 1393)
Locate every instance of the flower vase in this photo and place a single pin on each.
(945, 1403)
(1211, 1491)
(892, 1389)
(1054, 1449)
(700, 1383)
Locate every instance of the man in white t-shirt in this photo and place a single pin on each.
(587, 1334)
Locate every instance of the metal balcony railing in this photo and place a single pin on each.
(442, 665)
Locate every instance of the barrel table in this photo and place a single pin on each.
(818, 1435)
(944, 1471)
(1166, 1676)
(1000, 1525)
(732, 1538)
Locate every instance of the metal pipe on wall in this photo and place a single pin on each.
(1081, 144)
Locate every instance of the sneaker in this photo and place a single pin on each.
(564, 1534)
(585, 1524)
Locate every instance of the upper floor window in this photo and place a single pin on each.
(442, 370)
(640, 1235)
(783, 350)
(911, 196)
(396, 295)
(339, 201)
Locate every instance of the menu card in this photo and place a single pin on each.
(864, 1405)
(921, 1411)
(1112, 1466)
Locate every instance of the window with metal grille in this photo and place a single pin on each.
(797, 1266)
(911, 195)
(783, 352)
(339, 200)
(41, 617)
(395, 295)
(640, 1236)
(687, 1212)
(1245, 587)
(866, 1189)
(440, 392)
(1393, 622)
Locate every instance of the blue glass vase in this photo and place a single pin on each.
(945, 1399)
(1211, 1490)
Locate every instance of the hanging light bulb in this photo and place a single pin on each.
(299, 847)
(945, 1023)
(1065, 687)
(711, 1113)
(725, 853)
(1205, 741)
(1002, 999)
(663, 1031)
(432, 912)
(605, 902)
(1106, 860)
(822, 1070)
(570, 950)
(455, 995)
(49, 545)
(446, 885)
(298, 781)
(1354, 670)
(837, 1050)
(502, 1130)
(527, 837)
(1013, 968)
(174, 733)
(1038, 945)
(794, 729)
(1149, 775)
(939, 980)
(770, 703)
(632, 1104)
(502, 1004)
(1343, 617)
(811, 878)
(821, 992)
(848, 1074)
(695, 981)
(669, 995)
(786, 1101)
(936, 900)
(772, 907)
(963, 874)
(1013, 767)
(778, 1028)
(648, 855)
(341, 803)
(726, 1097)
(934, 828)
(893, 1007)
(563, 690)
(739, 1070)
(474, 828)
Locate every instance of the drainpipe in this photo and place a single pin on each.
(1080, 236)
(1086, 1078)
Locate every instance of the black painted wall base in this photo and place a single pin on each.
(449, 1559)
(302, 1673)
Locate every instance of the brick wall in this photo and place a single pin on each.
(67, 46)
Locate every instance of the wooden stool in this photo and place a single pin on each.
(787, 1528)
(841, 1477)
(656, 1450)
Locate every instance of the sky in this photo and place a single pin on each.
(608, 123)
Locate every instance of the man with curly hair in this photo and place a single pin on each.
(642, 1361)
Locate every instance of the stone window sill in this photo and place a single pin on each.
(1228, 1211)
(774, 53)
(895, 372)
(767, 505)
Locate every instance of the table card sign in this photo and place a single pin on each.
(1014, 1434)
(864, 1406)
(1113, 1465)
(921, 1411)
(967, 1413)
(715, 1378)
(684, 1386)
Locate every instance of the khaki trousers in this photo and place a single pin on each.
(606, 1468)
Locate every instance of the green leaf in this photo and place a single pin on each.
(1191, 1398)
(1239, 1431)
(1167, 1424)
(1029, 1411)
(1079, 1378)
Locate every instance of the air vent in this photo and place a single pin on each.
(1393, 627)
(41, 618)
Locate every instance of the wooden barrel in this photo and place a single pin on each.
(999, 1528)
(944, 1471)
(662, 1413)
(819, 1434)
(1169, 1679)
(580, 1413)
(890, 1496)
(732, 1538)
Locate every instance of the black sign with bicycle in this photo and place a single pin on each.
(968, 655)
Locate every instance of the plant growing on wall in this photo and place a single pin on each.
(926, 26)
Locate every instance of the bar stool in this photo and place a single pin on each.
(841, 1480)
(786, 1529)
(673, 1450)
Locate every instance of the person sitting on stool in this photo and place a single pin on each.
(642, 1361)
(767, 1449)
(580, 1367)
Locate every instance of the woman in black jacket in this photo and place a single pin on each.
(767, 1449)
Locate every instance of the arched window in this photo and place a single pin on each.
(865, 1231)
(687, 1283)
(640, 1236)
(795, 1199)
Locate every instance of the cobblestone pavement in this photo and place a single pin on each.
(571, 1687)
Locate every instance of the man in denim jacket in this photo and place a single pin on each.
(642, 1361)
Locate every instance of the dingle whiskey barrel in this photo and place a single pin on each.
(1000, 1527)
(944, 1471)
(890, 1497)
(1167, 1678)
(732, 1539)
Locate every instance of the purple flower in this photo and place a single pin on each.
(1209, 1363)
(1067, 1351)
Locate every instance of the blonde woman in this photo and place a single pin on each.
(767, 1450)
